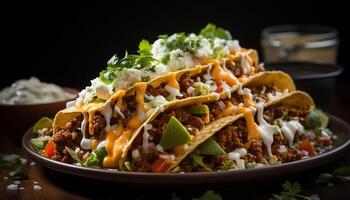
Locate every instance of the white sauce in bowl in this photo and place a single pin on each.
(32, 91)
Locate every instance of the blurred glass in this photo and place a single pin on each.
(300, 43)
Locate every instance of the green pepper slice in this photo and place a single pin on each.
(175, 134)
(198, 110)
(210, 147)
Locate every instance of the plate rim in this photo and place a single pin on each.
(185, 178)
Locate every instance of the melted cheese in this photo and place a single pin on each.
(252, 127)
(207, 115)
(248, 97)
(246, 63)
(229, 109)
(219, 74)
(116, 141)
(140, 100)
(171, 81)
(118, 137)
(94, 144)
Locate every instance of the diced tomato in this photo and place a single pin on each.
(326, 142)
(307, 146)
(49, 149)
(218, 87)
(161, 165)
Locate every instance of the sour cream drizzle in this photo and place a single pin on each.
(265, 129)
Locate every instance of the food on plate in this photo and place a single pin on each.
(282, 131)
(32, 91)
(170, 106)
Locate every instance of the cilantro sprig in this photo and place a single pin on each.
(12, 162)
(339, 175)
(211, 31)
(142, 60)
(145, 60)
(209, 195)
(291, 191)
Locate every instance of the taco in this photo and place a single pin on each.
(174, 69)
(167, 136)
(284, 130)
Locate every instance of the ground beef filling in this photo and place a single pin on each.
(185, 81)
(71, 136)
(235, 136)
(193, 124)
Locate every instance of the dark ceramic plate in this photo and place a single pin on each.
(338, 127)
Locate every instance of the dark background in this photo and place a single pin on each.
(69, 44)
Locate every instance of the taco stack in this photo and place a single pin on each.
(167, 108)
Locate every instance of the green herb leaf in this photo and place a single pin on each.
(292, 188)
(96, 157)
(74, 155)
(212, 32)
(209, 195)
(101, 153)
(113, 61)
(92, 160)
(342, 171)
(145, 47)
(199, 161)
(341, 174)
(324, 178)
(291, 192)
(8, 160)
(18, 173)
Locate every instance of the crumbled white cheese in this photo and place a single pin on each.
(167, 156)
(204, 50)
(36, 187)
(234, 46)
(181, 60)
(135, 154)
(17, 182)
(158, 49)
(12, 187)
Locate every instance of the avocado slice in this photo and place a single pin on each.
(175, 134)
(210, 147)
(39, 142)
(44, 122)
(198, 110)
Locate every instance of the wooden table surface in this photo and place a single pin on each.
(56, 185)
